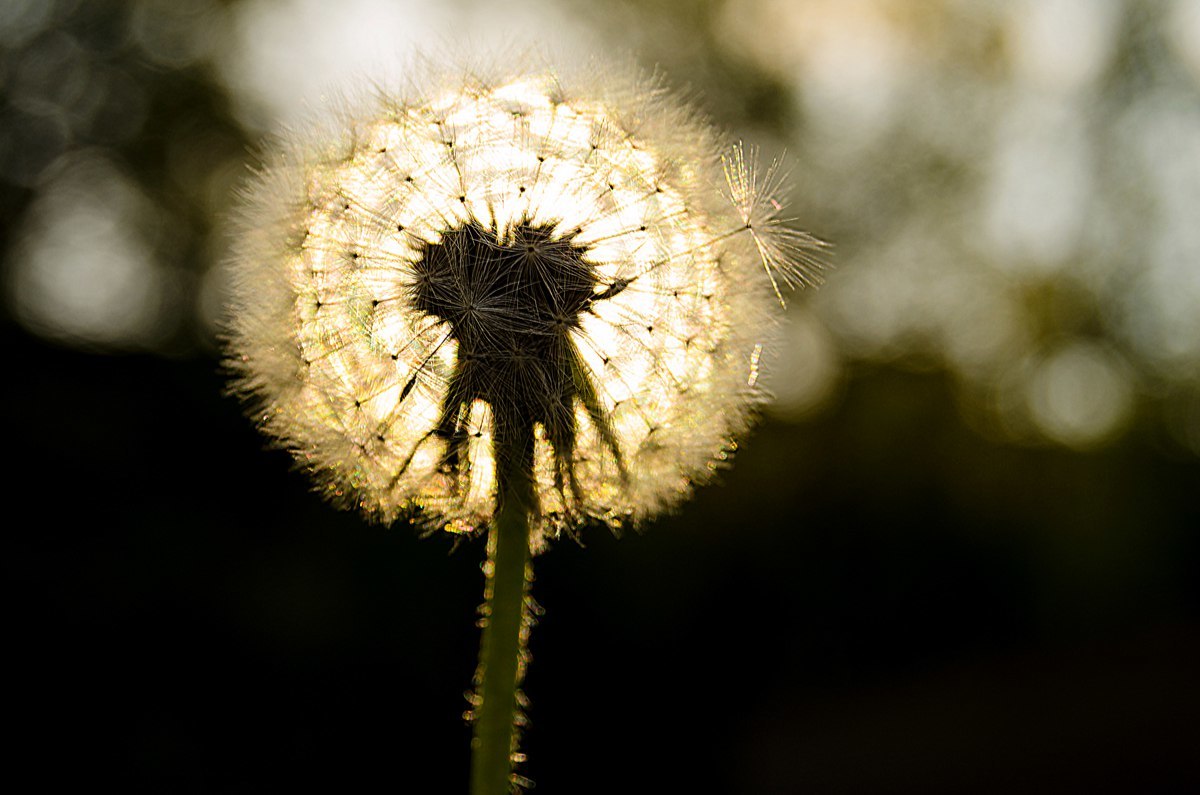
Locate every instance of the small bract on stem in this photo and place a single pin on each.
(514, 302)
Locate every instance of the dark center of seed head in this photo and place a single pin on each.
(510, 307)
(504, 299)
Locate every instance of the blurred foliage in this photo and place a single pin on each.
(1010, 188)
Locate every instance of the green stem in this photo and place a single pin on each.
(505, 633)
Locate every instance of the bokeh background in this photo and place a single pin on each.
(960, 554)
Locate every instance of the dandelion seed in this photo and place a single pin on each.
(787, 254)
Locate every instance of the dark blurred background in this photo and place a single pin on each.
(960, 554)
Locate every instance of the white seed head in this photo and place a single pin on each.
(416, 279)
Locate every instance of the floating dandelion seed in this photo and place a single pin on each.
(570, 285)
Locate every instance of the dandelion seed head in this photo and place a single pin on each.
(417, 279)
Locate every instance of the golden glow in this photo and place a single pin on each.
(668, 353)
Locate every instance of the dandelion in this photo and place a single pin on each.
(512, 301)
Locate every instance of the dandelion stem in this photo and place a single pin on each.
(506, 631)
